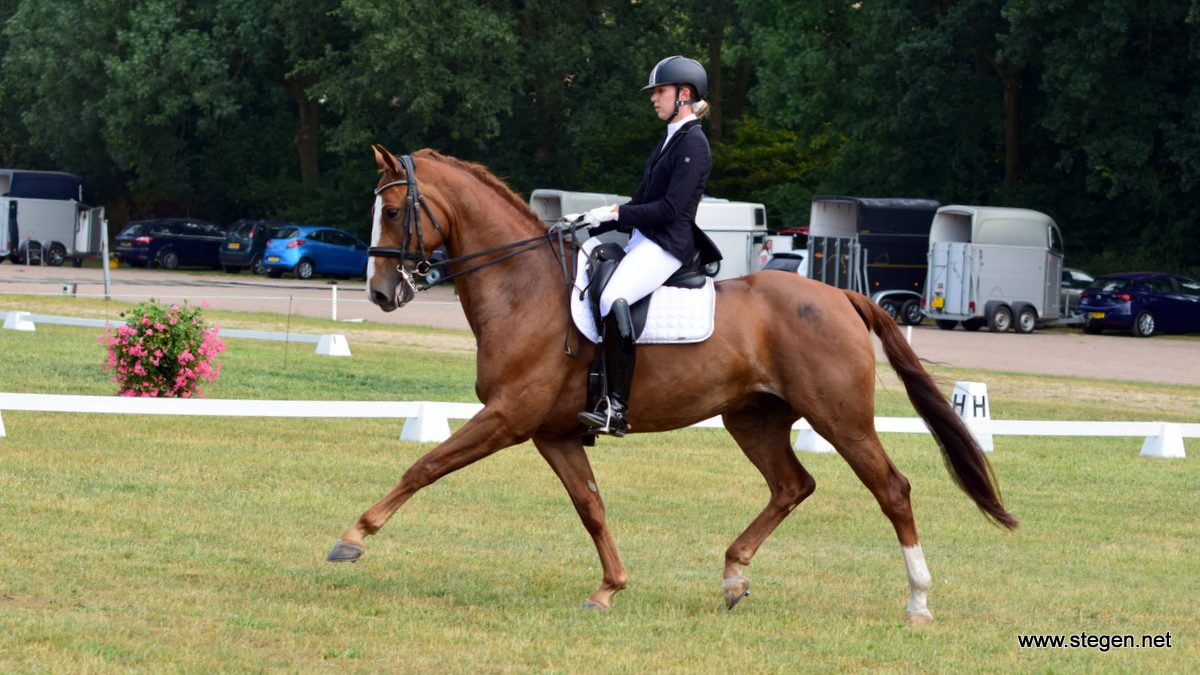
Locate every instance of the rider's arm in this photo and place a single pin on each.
(690, 166)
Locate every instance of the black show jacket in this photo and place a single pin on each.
(664, 206)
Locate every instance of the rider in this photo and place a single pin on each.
(661, 221)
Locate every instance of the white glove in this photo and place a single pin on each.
(600, 214)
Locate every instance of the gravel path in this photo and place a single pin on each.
(1163, 359)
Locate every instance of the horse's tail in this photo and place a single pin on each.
(964, 458)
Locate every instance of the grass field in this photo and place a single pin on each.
(196, 544)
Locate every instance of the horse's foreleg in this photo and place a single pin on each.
(570, 463)
(763, 431)
(482, 435)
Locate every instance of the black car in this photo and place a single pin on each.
(244, 244)
(170, 242)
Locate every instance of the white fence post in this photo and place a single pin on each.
(2, 433)
(810, 441)
(1168, 442)
(429, 426)
(19, 321)
(333, 345)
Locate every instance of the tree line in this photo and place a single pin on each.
(1088, 110)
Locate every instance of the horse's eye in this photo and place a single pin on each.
(391, 213)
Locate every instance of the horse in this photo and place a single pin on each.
(783, 348)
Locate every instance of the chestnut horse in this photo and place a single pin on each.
(784, 347)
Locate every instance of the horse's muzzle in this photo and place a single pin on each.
(391, 293)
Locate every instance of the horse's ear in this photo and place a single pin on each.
(386, 160)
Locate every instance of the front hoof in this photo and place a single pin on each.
(735, 589)
(592, 604)
(921, 618)
(344, 551)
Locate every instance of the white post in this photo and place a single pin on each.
(810, 441)
(19, 321)
(2, 434)
(333, 291)
(970, 401)
(1168, 442)
(908, 335)
(429, 426)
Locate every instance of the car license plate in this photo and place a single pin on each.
(233, 246)
(939, 302)
(272, 258)
(125, 243)
(1096, 315)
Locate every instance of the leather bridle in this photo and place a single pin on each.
(414, 203)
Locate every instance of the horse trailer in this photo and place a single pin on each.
(877, 247)
(45, 219)
(737, 228)
(996, 266)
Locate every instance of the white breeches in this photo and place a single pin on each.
(643, 269)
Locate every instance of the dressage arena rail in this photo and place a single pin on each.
(327, 345)
(428, 421)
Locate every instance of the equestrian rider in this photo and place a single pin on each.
(661, 222)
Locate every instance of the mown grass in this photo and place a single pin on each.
(195, 544)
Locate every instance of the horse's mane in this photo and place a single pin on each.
(484, 176)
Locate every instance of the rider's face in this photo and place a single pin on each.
(663, 98)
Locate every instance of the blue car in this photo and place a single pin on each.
(306, 250)
(1143, 303)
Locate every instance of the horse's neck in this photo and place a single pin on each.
(498, 296)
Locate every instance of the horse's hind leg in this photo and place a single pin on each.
(762, 428)
(570, 463)
(856, 441)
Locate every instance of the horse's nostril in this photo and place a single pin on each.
(380, 298)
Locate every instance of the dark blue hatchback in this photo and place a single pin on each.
(1143, 303)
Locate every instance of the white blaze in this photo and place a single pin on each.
(376, 232)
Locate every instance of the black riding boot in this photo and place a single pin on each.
(618, 344)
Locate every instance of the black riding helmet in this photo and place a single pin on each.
(680, 70)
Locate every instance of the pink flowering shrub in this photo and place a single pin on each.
(163, 351)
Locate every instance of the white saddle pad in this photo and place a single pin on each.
(676, 315)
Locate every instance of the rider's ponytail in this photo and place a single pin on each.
(700, 109)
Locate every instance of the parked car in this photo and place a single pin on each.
(170, 242)
(1073, 283)
(1144, 303)
(244, 244)
(306, 250)
(788, 261)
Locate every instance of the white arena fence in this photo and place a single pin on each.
(327, 345)
(428, 421)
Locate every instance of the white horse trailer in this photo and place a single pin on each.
(737, 228)
(999, 266)
(44, 218)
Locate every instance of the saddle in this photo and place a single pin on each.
(679, 312)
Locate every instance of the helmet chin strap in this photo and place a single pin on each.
(679, 102)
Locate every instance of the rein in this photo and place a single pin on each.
(414, 203)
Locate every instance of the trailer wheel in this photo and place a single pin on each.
(945, 324)
(889, 306)
(1026, 320)
(56, 255)
(910, 313)
(1001, 319)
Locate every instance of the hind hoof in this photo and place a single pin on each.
(592, 604)
(344, 551)
(735, 589)
(918, 618)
